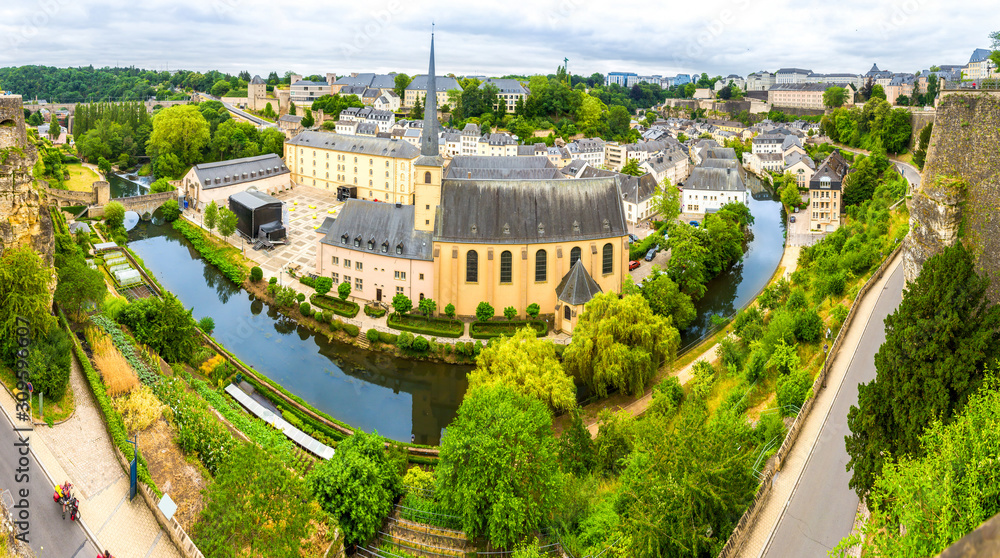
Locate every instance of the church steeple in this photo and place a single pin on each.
(429, 139)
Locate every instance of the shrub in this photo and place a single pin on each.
(402, 303)
(755, 365)
(533, 309)
(171, 210)
(338, 306)
(304, 308)
(427, 306)
(300, 297)
(441, 327)
(351, 329)
(510, 312)
(285, 297)
(808, 325)
(256, 274)
(449, 310)
(792, 390)
(374, 311)
(372, 335)
(490, 330)
(484, 311)
(704, 378)
(272, 281)
(207, 324)
(387, 338)
(344, 290)
(115, 370)
(323, 285)
(404, 340)
(418, 480)
(49, 361)
(420, 344)
(139, 409)
(223, 257)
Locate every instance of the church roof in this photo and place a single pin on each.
(356, 144)
(530, 211)
(577, 286)
(381, 228)
(501, 168)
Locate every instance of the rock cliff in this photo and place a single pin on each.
(24, 221)
(959, 198)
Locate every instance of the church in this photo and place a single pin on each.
(505, 231)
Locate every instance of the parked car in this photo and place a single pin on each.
(632, 238)
(650, 254)
(693, 223)
(791, 219)
(633, 265)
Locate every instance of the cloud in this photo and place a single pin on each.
(492, 37)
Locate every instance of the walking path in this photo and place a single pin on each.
(79, 450)
(784, 482)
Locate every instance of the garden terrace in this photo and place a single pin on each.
(340, 307)
(440, 327)
(497, 328)
(296, 435)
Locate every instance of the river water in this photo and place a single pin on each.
(403, 400)
(736, 288)
(122, 187)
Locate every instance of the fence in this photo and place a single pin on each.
(738, 536)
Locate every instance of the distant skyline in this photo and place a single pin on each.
(494, 38)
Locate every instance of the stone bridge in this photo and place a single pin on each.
(146, 204)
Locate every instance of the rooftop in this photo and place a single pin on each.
(379, 228)
(236, 171)
(355, 144)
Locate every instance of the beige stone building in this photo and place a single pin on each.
(418, 90)
(801, 95)
(210, 182)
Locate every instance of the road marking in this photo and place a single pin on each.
(156, 540)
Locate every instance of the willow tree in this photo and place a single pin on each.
(620, 343)
(528, 365)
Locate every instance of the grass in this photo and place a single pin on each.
(81, 178)
(115, 370)
(55, 411)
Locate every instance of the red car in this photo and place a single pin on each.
(633, 265)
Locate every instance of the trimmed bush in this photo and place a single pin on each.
(387, 338)
(352, 330)
(449, 310)
(340, 307)
(440, 327)
(305, 309)
(420, 344)
(300, 297)
(404, 340)
(489, 330)
(272, 281)
(372, 335)
(256, 274)
(374, 311)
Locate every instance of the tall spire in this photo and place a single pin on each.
(429, 139)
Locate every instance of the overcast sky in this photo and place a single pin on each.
(495, 38)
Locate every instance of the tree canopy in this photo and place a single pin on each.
(528, 365)
(499, 470)
(181, 131)
(24, 293)
(936, 348)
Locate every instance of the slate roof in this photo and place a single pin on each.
(801, 86)
(471, 129)
(247, 169)
(794, 158)
(290, 118)
(505, 86)
(498, 139)
(719, 153)
(793, 71)
(637, 189)
(256, 81)
(668, 159)
(529, 211)
(442, 83)
(356, 144)
(304, 82)
(501, 168)
(586, 145)
(363, 80)
(835, 167)
(325, 226)
(979, 55)
(714, 179)
(380, 223)
(577, 286)
(383, 81)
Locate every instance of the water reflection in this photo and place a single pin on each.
(738, 286)
(123, 188)
(372, 391)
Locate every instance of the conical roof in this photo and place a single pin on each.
(429, 145)
(577, 286)
(257, 81)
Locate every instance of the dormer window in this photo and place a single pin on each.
(606, 225)
(399, 249)
(475, 229)
(385, 247)
(357, 242)
(506, 228)
(541, 229)
(576, 226)
(344, 238)
(371, 244)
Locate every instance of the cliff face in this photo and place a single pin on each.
(960, 193)
(24, 221)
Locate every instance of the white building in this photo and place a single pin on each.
(590, 150)
(791, 75)
(624, 79)
(708, 189)
(760, 81)
(210, 182)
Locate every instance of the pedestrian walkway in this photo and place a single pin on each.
(783, 483)
(80, 450)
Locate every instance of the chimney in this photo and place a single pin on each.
(399, 205)
(470, 174)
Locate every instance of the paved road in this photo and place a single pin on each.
(49, 534)
(822, 508)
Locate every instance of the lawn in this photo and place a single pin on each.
(81, 179)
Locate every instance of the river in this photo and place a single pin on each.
(737, 287)
(401, 399)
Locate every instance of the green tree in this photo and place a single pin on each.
(502, 491)
(207, 324)
(484, 312)
(323, 285)
(402, 303)
(220, 88)
(533, 310)
(510, 312)
(666, 299)
(291, 109)
(619, 343)
(104, 166)
(945, 494)
(790, 196)
(878, 92)
(427, 306)
(402, 81)
(114, 215)
(171, 210)
(632, 168)
(49, 361)
(923, 142)
(834, 97)
(256, 274)
(528, 365)
(211, 217)
(685, 487)
(255, 505)
(227, 222)
(161, 185)
(181, 131)
(24, 295)
(449, 310)
(79, 285)
(417, 112)
(936, 348)
(358, 485)
(162, 323)
(615, 440)
(576, 448)
(667, 201)
(308, 121)
(344, 290)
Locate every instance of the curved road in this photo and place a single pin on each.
(822, 508)
(49, 535)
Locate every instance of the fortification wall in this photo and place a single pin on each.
(23, 220)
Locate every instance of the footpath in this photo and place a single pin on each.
(80, 451)
(783, 483)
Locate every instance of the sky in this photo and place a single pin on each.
(488, 37)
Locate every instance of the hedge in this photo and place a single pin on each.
(440, 327)
(489, 330)
(112, 419)
(344, 308)
(236, 272)
(374, 312)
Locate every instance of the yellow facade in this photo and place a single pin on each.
(377, 177)
(451, 267)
